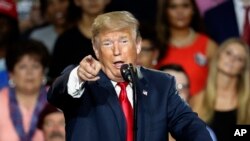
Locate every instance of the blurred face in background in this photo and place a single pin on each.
(179, 13)
(54, 127)
(232, 59)
(57, 11)
(35, 13)
(27, 74)
(92, 7)
(182, 83)
(148, 55)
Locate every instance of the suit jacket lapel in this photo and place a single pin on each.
(143, 91)
(113, 102)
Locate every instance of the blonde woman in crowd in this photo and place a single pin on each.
(225, 101)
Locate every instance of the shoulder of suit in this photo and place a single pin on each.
(153, 73)
(68, 68)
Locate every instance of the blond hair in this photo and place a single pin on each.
(114, 21)
(243, 90)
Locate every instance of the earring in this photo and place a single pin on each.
(11, 83)
(44, 82)
(154, 62)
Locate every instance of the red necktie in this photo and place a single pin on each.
(127, 110)
(246, 27)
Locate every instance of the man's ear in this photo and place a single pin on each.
(138, 46)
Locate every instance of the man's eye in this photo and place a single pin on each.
(124, 41)
(106, 43)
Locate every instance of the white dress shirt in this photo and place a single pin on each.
(75, 87)
(240, 14)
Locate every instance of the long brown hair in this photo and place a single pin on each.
(162, 23)
(243, 90)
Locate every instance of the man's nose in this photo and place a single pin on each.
(116, 49)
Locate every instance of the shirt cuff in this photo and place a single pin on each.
(75, 86)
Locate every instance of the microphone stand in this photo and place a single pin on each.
(135, 100)
(130, 75)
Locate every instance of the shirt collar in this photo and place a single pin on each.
(238, 4)
(115, 83)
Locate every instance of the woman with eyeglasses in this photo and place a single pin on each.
(148, 56)
(181, 77)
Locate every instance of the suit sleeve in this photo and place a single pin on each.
(58, 93)
(183, 123)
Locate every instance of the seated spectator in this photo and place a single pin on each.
(180, 32)
(52, 123)
(9, 33)
(181, 77)
(24, 99)
(225, 100)
(55, 13)
(148, 56)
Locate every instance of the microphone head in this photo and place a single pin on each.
(126, 72)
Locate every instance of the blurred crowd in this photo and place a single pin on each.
(203, 43)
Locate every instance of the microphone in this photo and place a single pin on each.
(126, 71)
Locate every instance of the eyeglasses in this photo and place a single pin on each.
(50, 124)
(146, 50)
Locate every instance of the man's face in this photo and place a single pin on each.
(54, 127)
(115, 48)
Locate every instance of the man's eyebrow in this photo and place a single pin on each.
(122, 37)
(105, 40)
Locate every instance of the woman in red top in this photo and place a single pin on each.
(179, 29)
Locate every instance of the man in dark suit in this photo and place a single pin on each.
(89, 94)
(221, 22)
(227, 20)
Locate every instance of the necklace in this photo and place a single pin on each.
(185, 41)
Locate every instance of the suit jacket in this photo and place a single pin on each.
(97, 114)
(221, 22)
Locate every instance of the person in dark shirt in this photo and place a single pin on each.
(75, 43)
(225, 100)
